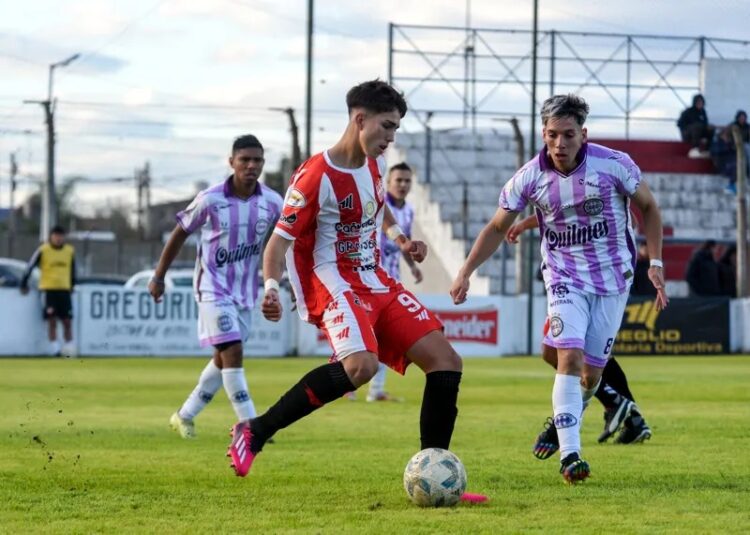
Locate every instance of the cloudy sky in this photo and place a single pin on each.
(173, 81)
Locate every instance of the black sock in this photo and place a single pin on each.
(320, 386)
(439, 409)
(616, 379)
(607, 396)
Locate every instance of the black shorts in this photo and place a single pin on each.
(57, 304)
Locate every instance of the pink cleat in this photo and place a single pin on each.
(239, 449)
(468, 497)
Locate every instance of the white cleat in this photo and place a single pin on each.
(186, 428)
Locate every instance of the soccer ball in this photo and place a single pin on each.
(435, 477)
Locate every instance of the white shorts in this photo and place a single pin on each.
(220, 322)
(581, 320)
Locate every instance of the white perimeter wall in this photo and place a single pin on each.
(112, 321)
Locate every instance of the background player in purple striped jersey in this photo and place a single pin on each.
(399, 186)
(620, 410)
(233, 219)
(581, 193)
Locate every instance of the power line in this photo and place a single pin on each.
(126, 28)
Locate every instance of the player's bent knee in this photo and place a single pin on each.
(569, 361)
(590, 377)
(360, 367)
(549, 354)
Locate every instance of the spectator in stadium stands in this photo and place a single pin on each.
(728, 272)
(641, 283)
(56, 262)
(740, 119)
(724, 157)
(703, 271)
(695, 128)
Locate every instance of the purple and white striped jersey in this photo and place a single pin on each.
(390, 254)
(584, 218)
(232, 234)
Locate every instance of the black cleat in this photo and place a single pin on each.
(614, 417)
(547, 442)
(574, 469)
(635, 430)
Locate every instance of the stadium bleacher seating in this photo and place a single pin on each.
(691, 196)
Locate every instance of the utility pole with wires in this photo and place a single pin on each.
(296, 152)
(49, 200)
(143, 189)
(12, 204)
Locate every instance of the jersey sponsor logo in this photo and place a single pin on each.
(556, 326)
(575, 235)
(224, 322)
(559, 290)
(593, 206)
(356, 227)
(261, 227)
(239, 253)
(479, 326)
(350, 246)
(565, 419)
(288, 220)
(347, 203)
(366, 267)
(295, 198)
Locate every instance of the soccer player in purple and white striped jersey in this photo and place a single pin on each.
(581, 193)
(398, 187)
(232, 220)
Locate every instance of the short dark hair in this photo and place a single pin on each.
(57, 229)
(403, 166)
(376, 96)
(248, 141)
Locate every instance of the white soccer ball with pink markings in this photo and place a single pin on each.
(435, 477)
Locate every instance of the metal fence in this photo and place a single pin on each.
(470, 76)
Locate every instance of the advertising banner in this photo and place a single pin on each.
(119, 321)
(688, 326)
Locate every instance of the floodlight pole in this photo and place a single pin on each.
(308, 93)
(532, 151)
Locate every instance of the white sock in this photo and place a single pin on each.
(377, 383)
(236, 387)
(567, 406)
(587, 394)
(209, 383)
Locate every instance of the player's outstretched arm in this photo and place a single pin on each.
(652, 226)
(168, 254)
(519, 228)
(273, 269)
(489, 239)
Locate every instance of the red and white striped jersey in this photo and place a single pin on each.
(334, 216)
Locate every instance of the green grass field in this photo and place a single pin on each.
(85, 447)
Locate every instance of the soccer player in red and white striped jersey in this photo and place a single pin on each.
(333, 212)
